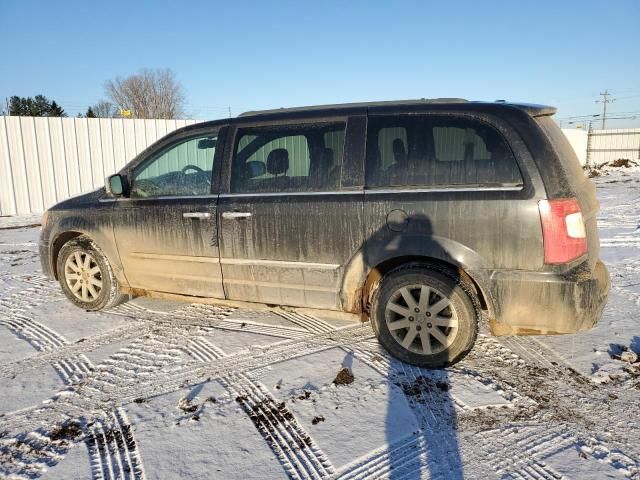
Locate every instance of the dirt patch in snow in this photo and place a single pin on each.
(186, 406)
(623, 162)
(66, 431)
(305, 395)
(608, 167)
(422, 385)
(344, 377)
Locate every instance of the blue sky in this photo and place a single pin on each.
(250, 55)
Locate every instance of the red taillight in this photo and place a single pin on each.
(563, 230)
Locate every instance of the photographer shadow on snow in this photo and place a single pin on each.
(429, 441)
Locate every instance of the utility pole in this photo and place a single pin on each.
(589, 133)
(604, 102)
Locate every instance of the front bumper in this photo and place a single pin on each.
(547, 303)
(45, 259)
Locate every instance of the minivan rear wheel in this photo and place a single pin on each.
(86, 276)
(425, 316)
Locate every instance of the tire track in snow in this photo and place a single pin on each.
(114, 383)
(29, 454)
(68, 350)
(43, 451)
(196, 312)
(379, 462)
(520, 451)
(409, 455)
(107, 435)
(143, 321)
(568, 401)
(376, 358)
(253, 357)
(433, 409)
(310, 323)
(296, 450)
(521, 458)
(531, 351)
(105, 389)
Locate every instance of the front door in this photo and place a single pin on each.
(287, 228)
(166, 230)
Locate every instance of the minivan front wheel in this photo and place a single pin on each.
(425, 316)
(86, 276)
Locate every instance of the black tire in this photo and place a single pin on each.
(458, 321)
(101, 287)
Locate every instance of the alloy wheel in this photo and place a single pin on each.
(421, 319)
(83, 276)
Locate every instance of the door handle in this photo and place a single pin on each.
(196, 215)
(235, 215)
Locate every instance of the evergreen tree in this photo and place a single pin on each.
(38, 106)
(90, 113)
(56, 110)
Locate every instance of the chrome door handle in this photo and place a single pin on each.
(196, 215)
(235, 215)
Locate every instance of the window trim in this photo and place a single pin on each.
(289, 194)
(443, 189)
(161, 197)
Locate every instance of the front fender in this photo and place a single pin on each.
(94, 223)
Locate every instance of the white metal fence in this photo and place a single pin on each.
(595, 147)
(45, 160)
(608, 145)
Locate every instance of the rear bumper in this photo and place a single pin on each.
(530, 303)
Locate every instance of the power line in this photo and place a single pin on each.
(629, 96)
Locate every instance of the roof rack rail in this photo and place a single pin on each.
(310, 108)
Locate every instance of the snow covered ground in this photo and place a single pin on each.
(154, 389)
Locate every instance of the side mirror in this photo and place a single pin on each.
(115, 185)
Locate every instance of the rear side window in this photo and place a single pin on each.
(301, 158)
(437, 150)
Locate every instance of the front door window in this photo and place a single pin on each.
(182, 169)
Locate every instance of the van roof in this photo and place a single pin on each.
(400, 105)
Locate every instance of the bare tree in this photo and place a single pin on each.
(104, 109)
(148, 94)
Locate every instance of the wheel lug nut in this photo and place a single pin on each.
(417, 310)
(411, 319)
(428, 314)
